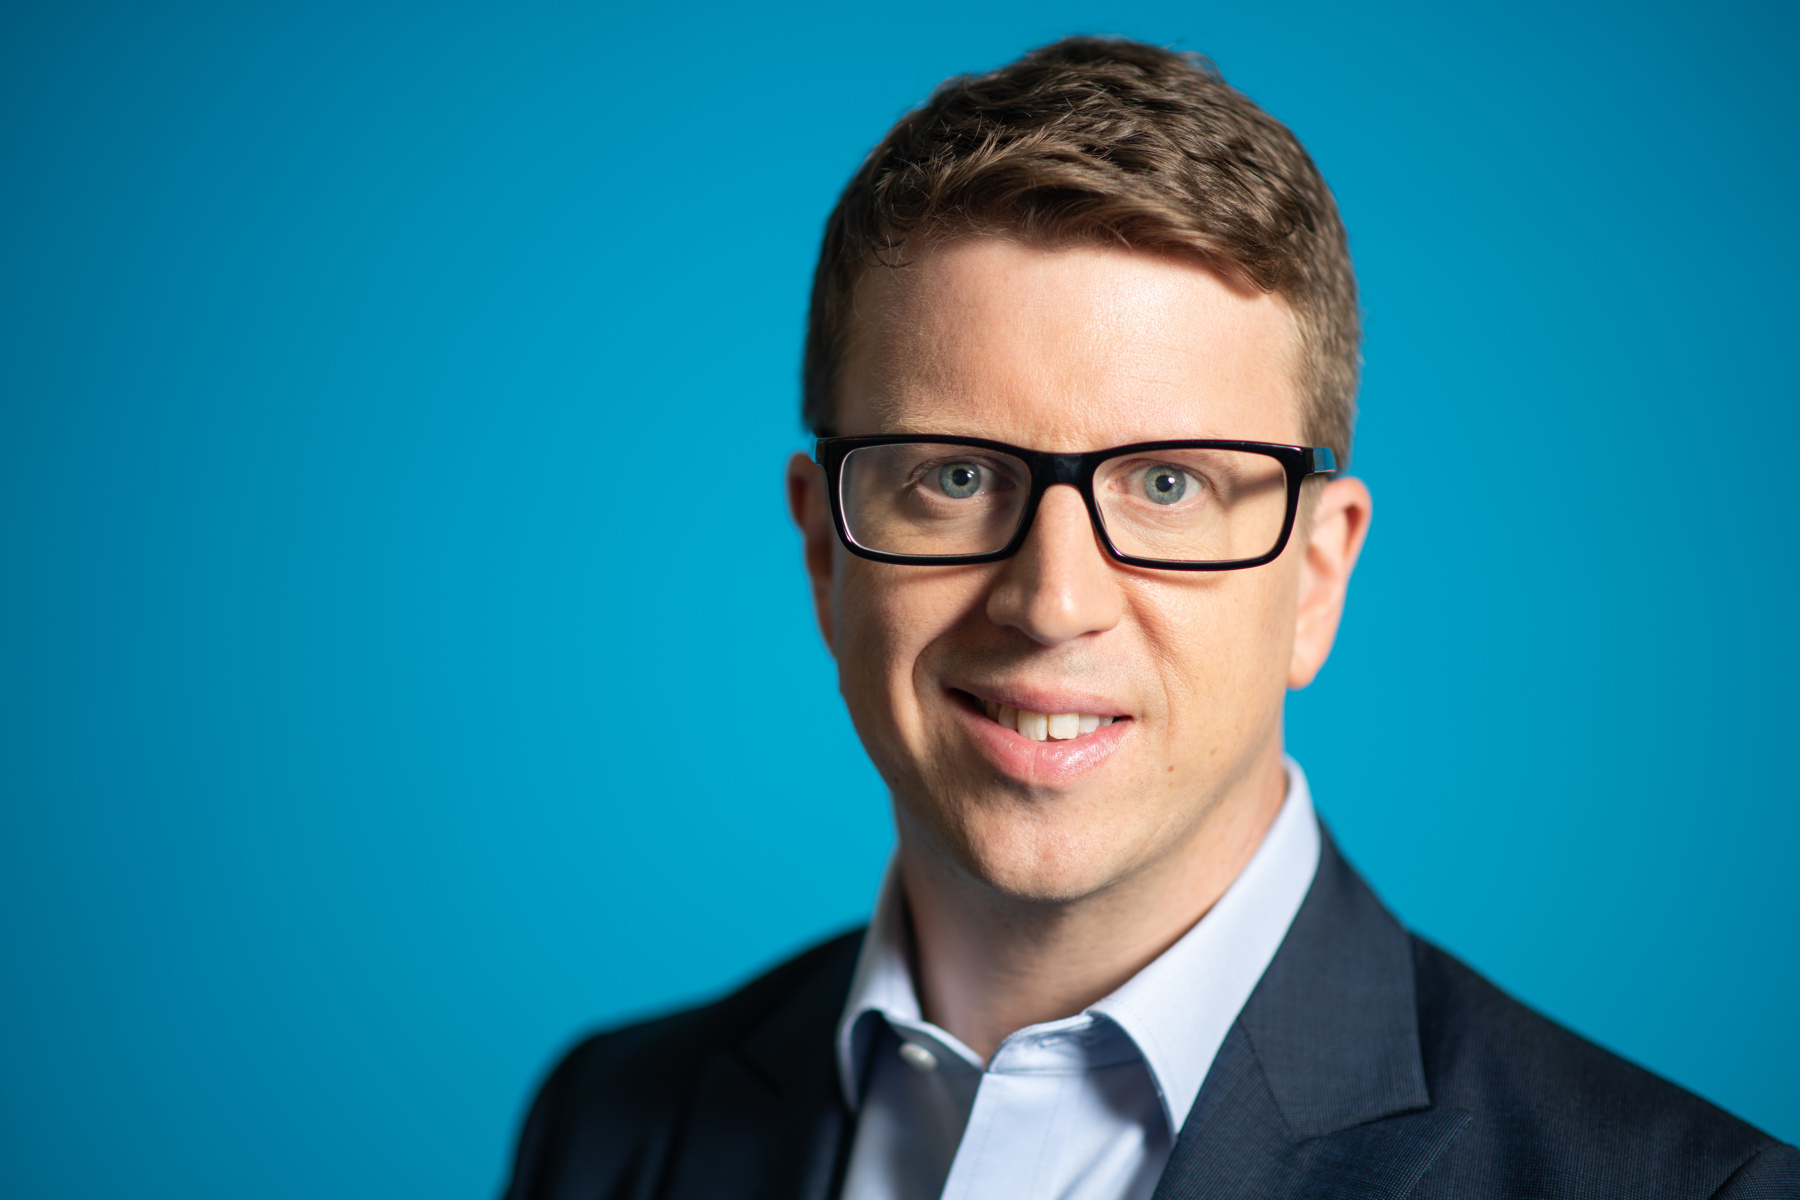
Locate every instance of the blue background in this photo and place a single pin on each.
(368, 727)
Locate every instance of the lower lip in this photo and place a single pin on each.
(1037, 762)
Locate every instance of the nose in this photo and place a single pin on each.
(1060, 585)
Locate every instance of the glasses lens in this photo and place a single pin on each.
(1193, 505)
(932, 499)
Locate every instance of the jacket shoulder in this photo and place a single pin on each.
(603, 1119)
(1553, 1114)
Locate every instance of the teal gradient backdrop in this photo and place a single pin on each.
(382, 704)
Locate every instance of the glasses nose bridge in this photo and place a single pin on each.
(1054, 469)
(1064, 468)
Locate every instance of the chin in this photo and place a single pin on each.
(1034, 860)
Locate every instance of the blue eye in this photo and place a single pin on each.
(959, 480)
(1165, 484)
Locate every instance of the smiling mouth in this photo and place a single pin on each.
(1042, 727)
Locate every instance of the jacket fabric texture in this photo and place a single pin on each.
(1367, 1063)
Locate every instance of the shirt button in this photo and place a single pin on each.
(918, 1057)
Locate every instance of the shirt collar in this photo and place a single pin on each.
(1177, 1010)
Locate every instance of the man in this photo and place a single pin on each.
(1082, 362)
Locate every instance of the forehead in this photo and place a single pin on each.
(1068, 348)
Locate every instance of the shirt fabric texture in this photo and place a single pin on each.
(1085, 1108)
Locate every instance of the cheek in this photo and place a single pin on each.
(886, 616)
(1222, 644)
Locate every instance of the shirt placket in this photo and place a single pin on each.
(1015, 1138)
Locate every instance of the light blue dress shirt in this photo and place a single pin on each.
(1085, 1108)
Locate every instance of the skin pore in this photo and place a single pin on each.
(1042, 875)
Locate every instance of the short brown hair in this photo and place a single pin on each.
(1108, 141)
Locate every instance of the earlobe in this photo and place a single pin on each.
(1340, 523)
(810, 508)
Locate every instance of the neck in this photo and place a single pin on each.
(988, 963)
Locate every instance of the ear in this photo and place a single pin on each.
(811, 510)
(1340, 522)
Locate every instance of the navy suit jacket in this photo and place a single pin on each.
(1367, 1063)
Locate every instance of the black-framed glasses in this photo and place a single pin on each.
(1183, 505)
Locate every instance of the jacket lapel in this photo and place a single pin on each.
(1319, 1089)
(767, 1118)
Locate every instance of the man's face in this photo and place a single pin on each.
(1065, 350)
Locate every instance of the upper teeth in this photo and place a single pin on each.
(1045, 726)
